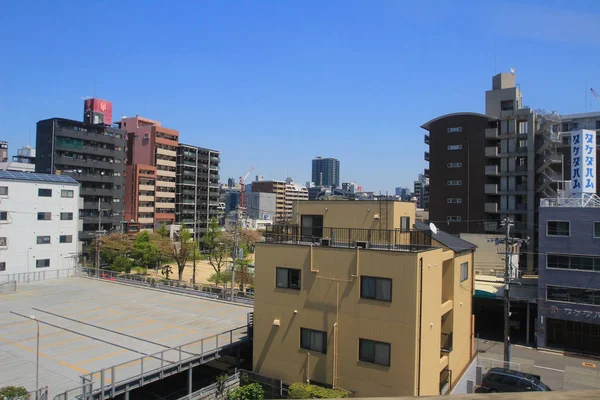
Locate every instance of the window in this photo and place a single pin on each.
(574, 126)
(454, 165)
(313, 340)
(66, 216)
(44, 216)
(374, 352)
(3, 190)
(44, 192)
(405, 223)
(2, 241)
(573, 295)
(558, 228)
(455, 147)
(3, 216)
(2, 266)
(375, 288)
(566, 140)
(454, 218)
(66, 238)
(457, 129)
(67, 193)
(288, 278)
(464, 271)
(580, 263)
(597, 124)
(454, 183)
(454, 200)
(597, 230)
(42, 263)
(507, 105)
(43, 240)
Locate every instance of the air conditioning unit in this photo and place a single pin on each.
(362, 245)
(325, 242)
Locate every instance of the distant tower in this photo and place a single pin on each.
(326, 172)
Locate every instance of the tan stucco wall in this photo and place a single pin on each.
(277, 350)
(357, 214)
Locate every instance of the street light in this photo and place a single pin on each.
(37, 357)
(31, 248)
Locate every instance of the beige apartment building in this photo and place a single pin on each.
(276, 187)
(351, 297)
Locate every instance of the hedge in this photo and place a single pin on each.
(301, 390)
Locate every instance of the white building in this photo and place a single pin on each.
(39, 225)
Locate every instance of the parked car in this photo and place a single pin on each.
(508, 380)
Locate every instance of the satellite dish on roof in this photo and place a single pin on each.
(512, 71)
(433, 228)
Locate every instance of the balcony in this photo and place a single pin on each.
(145, 220)
(165, 162)
(491, 207)
(83, 177)
(491, 189)
(426, 172)
(165, 195)
(165, 184)
(165, 152)
(146, 188)
(372, 239)
(426, 156)
(189, 182)
(164, 205)
(446, 342)
(491, 170)
(491, 133)
(170, 174)
(491, 151)
(86, 191)
(145, 209)
(426, 139)
(86, 163)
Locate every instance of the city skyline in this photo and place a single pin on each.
(250, 91)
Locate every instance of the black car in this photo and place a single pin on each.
(508, 380)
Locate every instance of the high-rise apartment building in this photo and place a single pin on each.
(152, 145)
(348, 298)
(278, 188)
(487, 167)
(421, 191)
(293, 194)
(197, 190)
(94, 155)
(326, 172)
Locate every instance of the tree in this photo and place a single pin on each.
(114, 246)
(216, 242)
(122, 264)
(244, 276)
(220, 278)
(182, 248)
(163, 231)
(14, 393)
(248, 239)
(251, 391)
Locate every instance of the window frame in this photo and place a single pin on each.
(1, 188)
(556, 220)
(310, 347)
(453, 218)
(570, 264)
(375, 297)
(2, 266)
(595, 294)
(596, 232)
(44, 214)
(67, 214)
(454, 147)
(41, 240)
(3, 212)
(67, 191)
(37, 263)
(60, 239)
(454, 200)
(465, 276)
(455, 182)
(454, 165)
(44, 189)
(5, 240)
(288, 285)
(375, 343)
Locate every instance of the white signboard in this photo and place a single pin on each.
(583, 161)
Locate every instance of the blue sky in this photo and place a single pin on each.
(274, 83)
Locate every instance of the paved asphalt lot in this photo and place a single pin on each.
(560, 372)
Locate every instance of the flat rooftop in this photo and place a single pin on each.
(99, 324)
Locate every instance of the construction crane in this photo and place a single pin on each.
(243, 185)
(596, 95)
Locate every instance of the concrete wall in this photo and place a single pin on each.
(581, 242)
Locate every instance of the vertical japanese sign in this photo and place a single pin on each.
(583, 161)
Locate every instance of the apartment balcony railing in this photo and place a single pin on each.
(446, 342)
(371, 239)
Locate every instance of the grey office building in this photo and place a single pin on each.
(569, 275)
(326, 172)
(94, 155)
(261, 205)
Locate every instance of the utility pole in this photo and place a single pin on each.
(98, 240)
(507, 258)
(235, 250)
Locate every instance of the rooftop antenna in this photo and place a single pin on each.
(433, 228)
(512, 70)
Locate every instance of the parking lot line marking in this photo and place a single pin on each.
(63, 342)
(588, 364)
(548, 368)
(102, 357)
(554, 353)
(81, 349)
(177, 336)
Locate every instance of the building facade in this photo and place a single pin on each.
(278, 189)
(152, 145)
(24, 161)
(421, 191)
(293, 194)
(140, 196)
(94, 155)
(39, 225)
(569, 275)
(197, 190)
(261, 206)
(341, 302)
(326, 172)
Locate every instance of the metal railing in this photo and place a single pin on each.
(40, 275)
(374, 239)
(83, 392)
(39, 394)
(212, 391)
(180, 287)
(109, 382)
(445, 380)
(446, 342)
(8, 287)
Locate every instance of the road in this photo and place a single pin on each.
(560, 372)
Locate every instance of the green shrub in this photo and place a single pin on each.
(251, 391)
(301, 390)
(14, 393)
